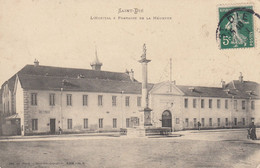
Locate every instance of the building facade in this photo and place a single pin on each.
(41, 99)
(235, 104)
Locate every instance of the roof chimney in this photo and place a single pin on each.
(36, 63)
(223, 84)
(241, 78)
(131, 74)
(96, 64)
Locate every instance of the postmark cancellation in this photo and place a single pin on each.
(236, 27)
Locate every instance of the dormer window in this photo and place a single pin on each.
(65, 82)
(192, 89)
(227, 91)
(81, 76)
(250, 92)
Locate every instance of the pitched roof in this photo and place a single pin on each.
(11, 84)
(202, 91)
(249, 88)
(34, 82)
(234, 89)
(70, 79)
(73, 73)
(244, 86)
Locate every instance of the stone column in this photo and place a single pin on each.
(145, 116)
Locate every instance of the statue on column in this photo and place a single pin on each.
(144, 52)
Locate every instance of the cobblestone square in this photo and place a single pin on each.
(206, 148)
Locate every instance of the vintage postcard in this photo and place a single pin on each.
(127, 83)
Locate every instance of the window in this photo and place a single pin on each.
(218, 103)
(127, 122)
(34, 99)
(127, 98)
(244, 121)
(52, 99)
(243, 104)
(218, 121)
(85, 100)
(226, 121)
(194, 103)
(194, 122)
(139, 99)
(114, 122)
(210, 121)
(187, 122)
(235, 121)
(113, 100)
(226, 104)
(34, 124)
(100, 123)
(100, 100)
(235, 104)
(202, 103)
(85, 123)
(252, 105)
(202, 122)
(69, 123)
(69, 100)
(186, 103)
(210, 103)
(177, 121)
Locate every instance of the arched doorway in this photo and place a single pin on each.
(166, 119)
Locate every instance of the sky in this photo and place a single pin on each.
(61, 33)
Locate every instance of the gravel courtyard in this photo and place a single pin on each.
(214, 148)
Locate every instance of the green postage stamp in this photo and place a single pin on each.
(236, 27)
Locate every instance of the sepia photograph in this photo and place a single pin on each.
(130, 84)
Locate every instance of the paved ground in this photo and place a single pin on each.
(214, 148)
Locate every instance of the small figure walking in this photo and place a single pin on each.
(60, 130)
(252, 130)
(199, 125)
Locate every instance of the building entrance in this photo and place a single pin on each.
(166, 119)
(52, 126)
